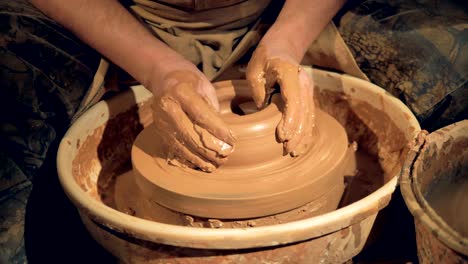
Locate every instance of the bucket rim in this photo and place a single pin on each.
(415, 200)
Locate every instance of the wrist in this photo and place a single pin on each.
(300, 23)
(161, 65)
(286, 38)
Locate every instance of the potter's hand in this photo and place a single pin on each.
(185, 113)
(271, 65)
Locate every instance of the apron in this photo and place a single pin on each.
(214, 35)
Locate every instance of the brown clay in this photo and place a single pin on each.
(364, 170)
(125, 199)
(258, 179)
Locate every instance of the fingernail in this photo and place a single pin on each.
(226, 147)
(259, 104)
(294, 154)
(208, 167)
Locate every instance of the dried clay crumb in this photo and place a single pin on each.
(189, 220)
(251, 223)
(215, 223)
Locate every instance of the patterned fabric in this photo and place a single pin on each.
(417, 50)
(44, 74)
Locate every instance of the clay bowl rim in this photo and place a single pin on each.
(260, 117)
(420, 207)
(236, 238)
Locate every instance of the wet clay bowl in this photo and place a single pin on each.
(258, 178)
(97, 148)
(435, 189)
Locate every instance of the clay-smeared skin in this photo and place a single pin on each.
(297, 123)
(190, 127)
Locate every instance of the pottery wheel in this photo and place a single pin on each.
(258, 179)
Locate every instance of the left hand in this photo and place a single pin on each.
(271, 64)
(185, 110)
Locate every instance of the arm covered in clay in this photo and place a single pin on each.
(185, 102)
(277, 59)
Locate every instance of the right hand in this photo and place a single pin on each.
(275, 62)
(185, 111)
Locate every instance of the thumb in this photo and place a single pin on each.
(255, 76)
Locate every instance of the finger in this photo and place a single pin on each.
(305, 140)
(256, 78)
(306, 81)
(297, 140)
(209, 141)
(288, 79)
(308, 135)
(201, 113)
(186, 134)
(270, 81)
(184, 156)
(174, 159)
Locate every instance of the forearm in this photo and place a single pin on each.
(109, 28)
(300, 22)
